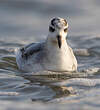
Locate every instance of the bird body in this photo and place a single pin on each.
(54, 54)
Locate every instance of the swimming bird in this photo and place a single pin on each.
(54, 54)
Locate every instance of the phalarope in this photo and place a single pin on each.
(54, 54)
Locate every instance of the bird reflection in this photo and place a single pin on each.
(53, 82)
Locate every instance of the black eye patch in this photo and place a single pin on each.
(66, 29)
(53, 21)
(51, 29)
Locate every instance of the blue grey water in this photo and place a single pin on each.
(26, 21)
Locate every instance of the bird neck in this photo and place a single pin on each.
(53, 45)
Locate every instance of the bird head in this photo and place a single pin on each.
(58, 29)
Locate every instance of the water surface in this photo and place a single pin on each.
(23, 22)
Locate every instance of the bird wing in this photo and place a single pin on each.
(31, 49)
(74, 59)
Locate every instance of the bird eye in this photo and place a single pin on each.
(51, 29)
(65, 30)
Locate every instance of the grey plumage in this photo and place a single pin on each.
(54, 54)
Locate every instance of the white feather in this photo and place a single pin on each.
(48, 55)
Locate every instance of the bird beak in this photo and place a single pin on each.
(59, 41)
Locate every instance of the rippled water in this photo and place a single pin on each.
(23, 22)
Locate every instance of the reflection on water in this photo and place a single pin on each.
(23, 22)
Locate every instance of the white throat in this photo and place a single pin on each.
(58, 58)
